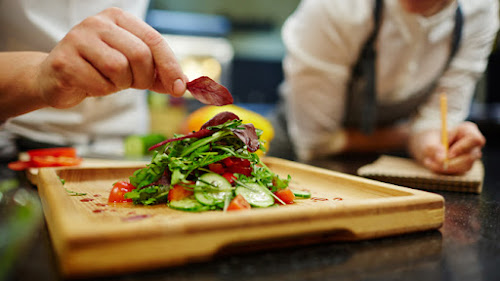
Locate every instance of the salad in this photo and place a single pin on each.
(214, 168)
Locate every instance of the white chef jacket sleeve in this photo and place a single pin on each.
(323, 40)
(459, 80)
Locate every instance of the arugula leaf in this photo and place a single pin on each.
(74, 193)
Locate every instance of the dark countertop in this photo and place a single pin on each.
(466, 247)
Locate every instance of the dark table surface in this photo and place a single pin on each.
(466, 247)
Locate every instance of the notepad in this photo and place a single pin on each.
(407, 172)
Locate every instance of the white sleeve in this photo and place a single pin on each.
(459, 81)
(323, 39)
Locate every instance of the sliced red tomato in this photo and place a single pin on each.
(53, 161)
(55, 151)
(43, 161)
(19, 165)
(48, 157)
(68, 161)
(286, 195)
(238, 203)
(230, 177)
(178, 192)
(117, 194)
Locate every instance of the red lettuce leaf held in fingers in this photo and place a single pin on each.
(209, 92)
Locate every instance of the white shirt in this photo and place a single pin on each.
(323, 39)
(37, 25)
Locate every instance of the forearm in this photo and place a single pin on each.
(19, 90)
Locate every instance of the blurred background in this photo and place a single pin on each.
(238, 43)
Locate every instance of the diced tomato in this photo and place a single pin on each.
(238, 203)
(19, 165)
(178, 192)
(117, 194)
(230, 177)
(247, 171)
(217, 168)
(286, 195)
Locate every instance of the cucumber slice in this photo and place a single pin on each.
(255, 194)
(188, 204)
(212, 189)
(301, 193)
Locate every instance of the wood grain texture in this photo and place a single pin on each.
(95, 238)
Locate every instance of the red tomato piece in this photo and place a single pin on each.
(286, 195)
(117, 194)
(238, 203)
(230, 177)
(178, 192)
(19, 165)
(217, 168)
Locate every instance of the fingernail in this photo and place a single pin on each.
(179, 88)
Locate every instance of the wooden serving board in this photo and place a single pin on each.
(92, 237)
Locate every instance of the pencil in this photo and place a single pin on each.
(444, 129)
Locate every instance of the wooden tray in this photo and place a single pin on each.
(91, 237)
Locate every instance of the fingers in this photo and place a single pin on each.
(466, 143)
(466, 137)
(110, 63)
(457, 165)
(108, 52)
(137, 55)
(170, 78)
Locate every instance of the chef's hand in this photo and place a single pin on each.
(465, 144)
(105, 53)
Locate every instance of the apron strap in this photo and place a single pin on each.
(361, 96)
(361, 104)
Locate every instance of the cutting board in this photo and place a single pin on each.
(92, 237)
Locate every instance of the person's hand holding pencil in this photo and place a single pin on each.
(448, 150)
